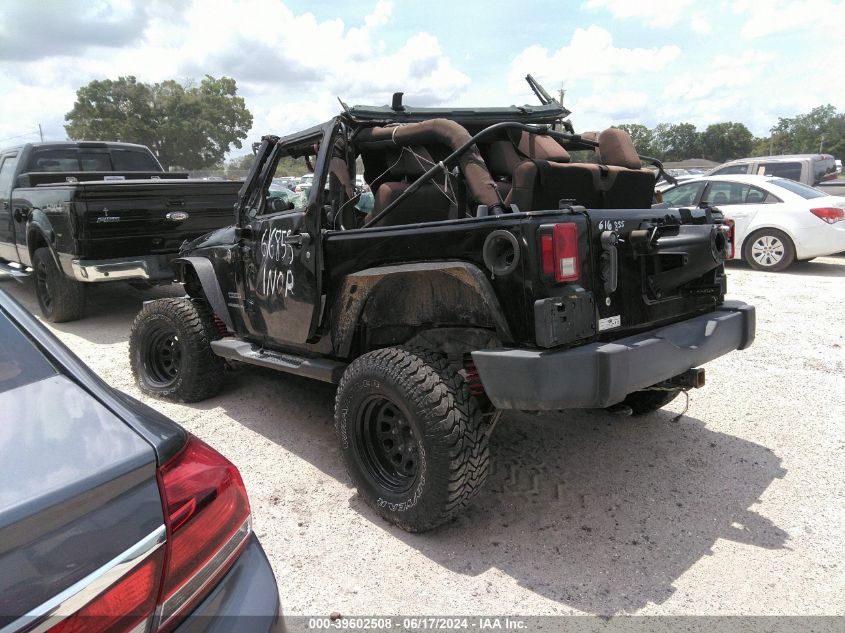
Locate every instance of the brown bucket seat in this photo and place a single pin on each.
(429, 203)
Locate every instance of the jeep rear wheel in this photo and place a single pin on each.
(170, 350)
(414, 441)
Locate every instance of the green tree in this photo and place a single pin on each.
(676, 141)
(726, 141)
(187, 126)
(642, 137)
(821, 129)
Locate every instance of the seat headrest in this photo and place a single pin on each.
(411, 161)
(617, 148)
(542, 148)
(502, 158)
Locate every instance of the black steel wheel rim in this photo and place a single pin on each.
(161, 355)
(41, 281)
(387, 444)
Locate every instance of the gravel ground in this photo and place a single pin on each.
(737, 508)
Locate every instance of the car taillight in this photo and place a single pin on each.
(124, 605)
(559, 252)
(731, 235)
(831, 215)
(207, 515)
(207, 525)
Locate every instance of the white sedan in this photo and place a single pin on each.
(776, 220)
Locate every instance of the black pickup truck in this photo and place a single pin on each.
(492, 272)
(87, 212)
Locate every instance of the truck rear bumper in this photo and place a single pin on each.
(602, 374)
(146, 267)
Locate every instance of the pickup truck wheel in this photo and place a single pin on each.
(769, 249)
(61, 299)
(414, 441)
(170, 350)
(642, 402)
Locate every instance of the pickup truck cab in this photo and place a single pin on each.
(75, 213)
(493, 272)
(813, 170)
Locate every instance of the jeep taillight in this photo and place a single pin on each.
(207, 515)
(831, 215)
(559, 252)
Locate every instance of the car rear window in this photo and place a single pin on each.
(72, 159)
(131, 160)
(69, 160)
(781, 170)
(20, 361)
(742, 168)
(798, 189)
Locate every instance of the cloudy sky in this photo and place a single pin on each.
(644, 61)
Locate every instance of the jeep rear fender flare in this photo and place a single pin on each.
(462, 290)
(210, 288)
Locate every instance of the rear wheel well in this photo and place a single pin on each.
(34, 240)
(431, 309)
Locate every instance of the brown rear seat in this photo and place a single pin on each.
(543, 175)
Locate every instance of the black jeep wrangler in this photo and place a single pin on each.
(489, 271)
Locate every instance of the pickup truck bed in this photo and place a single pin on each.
(66, 216)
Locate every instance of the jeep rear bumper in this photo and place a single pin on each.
(602, 374)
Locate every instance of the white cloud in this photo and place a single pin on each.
(590, 54)
(657, 13)
(602, 80)
(289, 66)
(782, 16)
(700, 24)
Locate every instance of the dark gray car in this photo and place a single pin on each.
(112, 517)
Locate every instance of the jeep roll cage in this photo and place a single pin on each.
(539, 120)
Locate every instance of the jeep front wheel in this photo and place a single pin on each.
(170, 350)
(413, 439)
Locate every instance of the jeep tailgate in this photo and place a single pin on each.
(654, 266)
(633, 269)
(125, 218)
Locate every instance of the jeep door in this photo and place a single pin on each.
(281, 253)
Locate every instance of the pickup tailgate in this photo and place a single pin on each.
(143, 217)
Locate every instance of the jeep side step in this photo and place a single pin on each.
(317, 368)
(14, 271)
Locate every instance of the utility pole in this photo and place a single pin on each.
(40, 133)
(821, 144)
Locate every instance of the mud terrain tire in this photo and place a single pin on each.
(170, 350)
(414, 441)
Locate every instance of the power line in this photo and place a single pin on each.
(9, 138)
